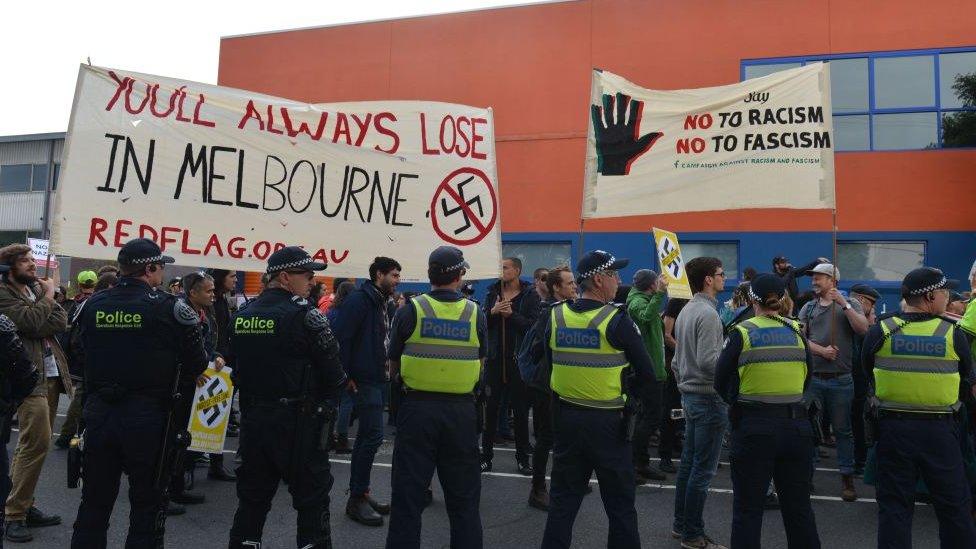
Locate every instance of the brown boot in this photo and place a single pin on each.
(848, 493)
(539, 497)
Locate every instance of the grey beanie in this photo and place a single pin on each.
(644, 279)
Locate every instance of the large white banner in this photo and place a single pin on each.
(762, 143)
(221, 177)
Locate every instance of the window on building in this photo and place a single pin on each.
(39, 179)
(879, 260)
(727, 252)
(15, 178)
(538, 254)
(895, 100)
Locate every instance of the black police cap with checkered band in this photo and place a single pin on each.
(142, 251)
(292, 258)
(924, 280)
(598, 261)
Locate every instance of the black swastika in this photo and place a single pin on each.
(476, 201)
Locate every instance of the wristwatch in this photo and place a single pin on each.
(847, 306)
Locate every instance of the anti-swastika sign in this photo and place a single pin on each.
(672, 263)
(211, 411)
(464, 208)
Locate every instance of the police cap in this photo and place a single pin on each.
(598, 261)
(924, 280)
(764, 284)
(292, 258)
(448, 258)
(142, 251)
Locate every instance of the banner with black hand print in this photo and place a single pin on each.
(763, 143)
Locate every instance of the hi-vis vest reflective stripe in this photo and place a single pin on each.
(441, 355)
(586, 369)
(773, 362)
(917, 368)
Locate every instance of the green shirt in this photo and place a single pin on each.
(645, 310)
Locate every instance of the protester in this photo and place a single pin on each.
(225, 283)
(540, 278)
(87, 281)
(668, 442)
(109, 268)
(86, 287)
(175, 286)
(789, 274)
(867, 297)
(340, 444)
(736, 305)
(362, 327)
(560, 286)
(957, 304)
(644, 304)
(28, 301)
(699, 341)
(830, 323)
(513, 306)
(467, 290)
(749, 273)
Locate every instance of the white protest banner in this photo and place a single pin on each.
(762, 143)
(211, 412)
(672, 263)
(221, 177)
(41, 249)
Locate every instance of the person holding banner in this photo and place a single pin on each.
(289, 375)
(598, 361)
(761, 373)
(134, 344)
(28, 301)
(437, 352)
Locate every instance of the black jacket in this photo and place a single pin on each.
(361, 325)
(790, 276)
(505, 334)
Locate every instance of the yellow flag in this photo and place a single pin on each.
(672, 263)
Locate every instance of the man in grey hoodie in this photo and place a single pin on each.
(699, 336)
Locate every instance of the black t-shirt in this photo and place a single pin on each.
(672, 309)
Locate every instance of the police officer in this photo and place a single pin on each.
(914, 362)
(761, 373)
(133, 340)
(289, 377)
(17, 379)
(436, 351)
(593, 346)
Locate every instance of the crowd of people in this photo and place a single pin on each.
(608, 371)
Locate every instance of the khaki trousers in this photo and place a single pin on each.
(36, 420)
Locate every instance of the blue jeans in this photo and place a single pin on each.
(368, 400)
(345, 412)
(706, 420)
(835, 397)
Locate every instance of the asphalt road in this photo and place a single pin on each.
(508, 521)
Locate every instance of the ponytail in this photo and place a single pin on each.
(775, 304)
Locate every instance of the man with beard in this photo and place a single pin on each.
(362, 328)
(29, 303)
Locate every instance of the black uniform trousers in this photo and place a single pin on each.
(436, 433)
(503, 375)
(270, 454)
(668, 445)
(649, 419)
(782, 449)
(5, 483)
(589, 440)
(542, 427)
(120, 436)
(906, 449)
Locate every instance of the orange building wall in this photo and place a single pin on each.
(532, 65)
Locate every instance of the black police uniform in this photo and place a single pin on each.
(767, 442)
(912, 445)
(18, 378)
(132, 340)
(435, 431)
(289, 376)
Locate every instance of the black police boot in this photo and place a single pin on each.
(539, 496)
(174, 509)
(359, 510)
(524, 463)
(381, 508)
(18, 532)
(217, 471)
(37, 519)
(646, 473)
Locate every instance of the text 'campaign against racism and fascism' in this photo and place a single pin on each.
(221, 177)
